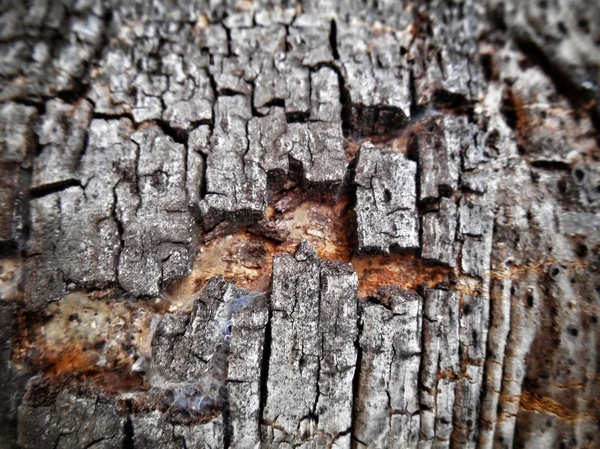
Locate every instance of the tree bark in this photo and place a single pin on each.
(299, 225)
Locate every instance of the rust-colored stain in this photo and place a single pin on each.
(93, 339)
(397, 141)
(405, 270)
(534, 119)
(539, 267)
(544, 404)
(247, 259)
(10, 274)
(97, 338)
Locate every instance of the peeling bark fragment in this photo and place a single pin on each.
(475, 229)
(385, 201)
(245, 364)
(69, 420)
(235, 180)
(448, 68)
(297, 97)
(16, 147)
(88, 248)
(308, 41)
(197, 146)
(380, 98)
(475, 256)
(338, 307)
(387, 401)
(148, 102)
(271, 229)
(75, 235)
(110, 87)
(188, 102)
(439, 367)
(154, 254)
(232, 187)
(205, 372)
(475, 152)
(45, 281)
(263, 155)
(17, 124)
(325, 103)
(12, 205)
(325, 167)
(439, 233)
(313, 357)
(229, 75)
(296, 348)
(269, 86)
(62, 135)
(439, 144)
(317, 149)
(376, 77)
(105, 230)
(266, 140)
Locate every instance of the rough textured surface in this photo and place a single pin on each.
(440, 367)
(440, 141)
(439, 234)
(386, 216)
(68, 420)
(313, 357)
(8, 385)
(17, 144)
(376, 76)
(410, 188)
(388, 407)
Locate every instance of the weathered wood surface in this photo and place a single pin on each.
(417, 182)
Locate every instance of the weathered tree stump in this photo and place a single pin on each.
(362, 224)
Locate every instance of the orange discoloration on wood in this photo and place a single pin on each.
(397, 141)
(97, 338)
(405, 270)
(328, 228)
(543, 404)
(10, 274)
(247, 259)
(94, 339)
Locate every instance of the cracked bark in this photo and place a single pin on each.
(418, 183)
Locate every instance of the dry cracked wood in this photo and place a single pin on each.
(326, 224)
